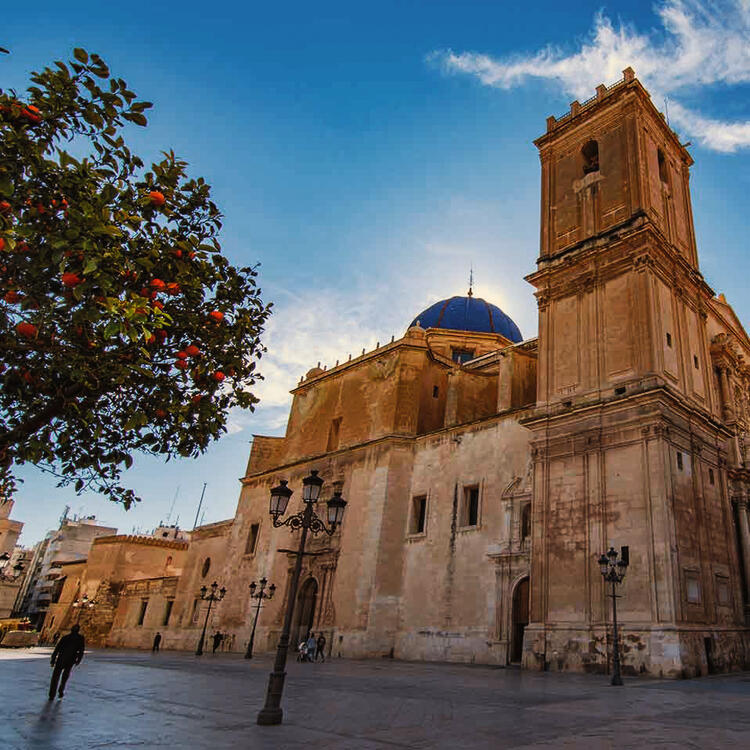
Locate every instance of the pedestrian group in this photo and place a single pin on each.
(310, 648)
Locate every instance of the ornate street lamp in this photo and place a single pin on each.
(613, 571)
(307, 520)
(209, 595)
(84, 603)
(260, 596)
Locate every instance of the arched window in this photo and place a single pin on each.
(590, 154)
(663, 171)
(526, 521)
(206, 567)
(169, 561)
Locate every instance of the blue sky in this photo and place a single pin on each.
(368, 154)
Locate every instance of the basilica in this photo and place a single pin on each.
(485, 473)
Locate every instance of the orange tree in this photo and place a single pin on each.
(123, 328)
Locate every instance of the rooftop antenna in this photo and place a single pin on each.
(471, 280)
(197, 513)
(171, 507)
(64, 516)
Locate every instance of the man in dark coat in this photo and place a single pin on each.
(68, 652)
(157, 642)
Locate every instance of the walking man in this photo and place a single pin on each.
(67, 654)
(311, 647)
(218, 638)
(320, 650)
(157, 641)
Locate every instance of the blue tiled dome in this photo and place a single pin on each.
(468, 314)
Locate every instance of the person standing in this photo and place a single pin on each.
(67, 654)
(157, 642)
(311, 647)
(218, 637)
(320, 647)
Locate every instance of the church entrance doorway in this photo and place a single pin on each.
(520, 619)
(306, 601)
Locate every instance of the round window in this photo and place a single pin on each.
(206, 567)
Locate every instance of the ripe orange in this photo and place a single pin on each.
(157, 198)
(27, 330)
(70, 279)
(216, 315)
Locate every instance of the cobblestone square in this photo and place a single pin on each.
(128, 699)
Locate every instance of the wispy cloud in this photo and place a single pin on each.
(699, 45)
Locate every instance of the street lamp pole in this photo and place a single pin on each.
(613, 571)
(260, 596)
(308, 521)
(210, 597)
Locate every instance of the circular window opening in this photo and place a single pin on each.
(206, 567)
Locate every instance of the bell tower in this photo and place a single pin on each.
(616, 210)
(627, 448)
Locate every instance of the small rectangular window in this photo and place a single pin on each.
(679, 461)
(196, 605)
(168, 612)
(722, 590)
(470, 509)
(695, 361)
(693, 588)
(669, 340)
(435, 391)
(418, 514)
(142, 611)
(252, 539)
(711, 478)
(333, 434)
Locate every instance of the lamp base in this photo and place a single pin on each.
(270, 716)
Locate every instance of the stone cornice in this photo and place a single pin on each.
(547, 419)
(146, 541)
(583, 266)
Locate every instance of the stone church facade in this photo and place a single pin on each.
(485, 473)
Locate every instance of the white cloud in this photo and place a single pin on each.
(699, 45)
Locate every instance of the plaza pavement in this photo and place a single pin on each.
(130, 699)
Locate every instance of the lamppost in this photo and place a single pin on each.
(613, 571)
(260, 596)
(83, 603)
(209, 595)
(307, 520)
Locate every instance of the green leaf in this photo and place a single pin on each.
(6, 185)
(81, 55)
